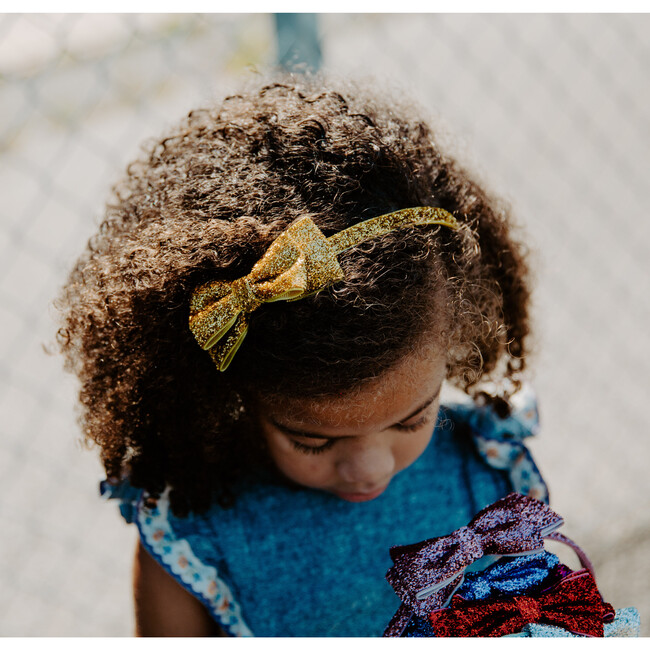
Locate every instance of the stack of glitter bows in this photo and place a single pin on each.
(526, 591)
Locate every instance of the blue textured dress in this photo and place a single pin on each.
(299, 562)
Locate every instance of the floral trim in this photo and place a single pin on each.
(514, 457)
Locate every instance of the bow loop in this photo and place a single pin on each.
(514, 525)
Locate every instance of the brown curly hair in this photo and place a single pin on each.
(204, 203)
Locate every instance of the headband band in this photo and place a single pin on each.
(300, 262)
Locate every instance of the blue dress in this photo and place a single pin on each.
(298, 562)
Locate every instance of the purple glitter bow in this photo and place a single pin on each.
(425, 575)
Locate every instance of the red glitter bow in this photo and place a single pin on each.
(573, 604)
(425, 575)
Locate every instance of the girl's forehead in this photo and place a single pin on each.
(412, 382)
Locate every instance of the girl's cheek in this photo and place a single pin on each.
(310, 464)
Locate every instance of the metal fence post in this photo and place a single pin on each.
(298, 42)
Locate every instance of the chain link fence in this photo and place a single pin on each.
(550, 110)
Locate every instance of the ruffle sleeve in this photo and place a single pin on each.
(500, 441)
(155, 523)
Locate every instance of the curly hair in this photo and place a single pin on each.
(204, 203)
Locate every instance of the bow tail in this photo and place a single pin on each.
(223, 354)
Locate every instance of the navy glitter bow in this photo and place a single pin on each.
(425, 575)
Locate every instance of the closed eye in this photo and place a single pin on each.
(414, 426)
(311, 449)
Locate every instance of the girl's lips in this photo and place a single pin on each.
(357, 497)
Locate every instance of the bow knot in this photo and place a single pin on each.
(244, 295)
(470, 541)
(529, 609)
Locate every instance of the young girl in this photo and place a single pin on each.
(266, 390)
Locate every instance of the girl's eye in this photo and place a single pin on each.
(413, 427)
(309, 449)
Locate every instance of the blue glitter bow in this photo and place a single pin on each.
(509, 577)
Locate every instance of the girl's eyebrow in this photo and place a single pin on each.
(320, 436)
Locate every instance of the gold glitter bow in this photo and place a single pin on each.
(301, 261)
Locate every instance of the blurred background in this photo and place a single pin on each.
(551, 111)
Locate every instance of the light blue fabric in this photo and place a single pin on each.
(298, 562)
(626, 623)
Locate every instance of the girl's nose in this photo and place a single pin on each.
(366, 465)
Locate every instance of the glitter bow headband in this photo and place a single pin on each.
(509, 577)
(574, 604)
(425, 575)
(301, 261)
